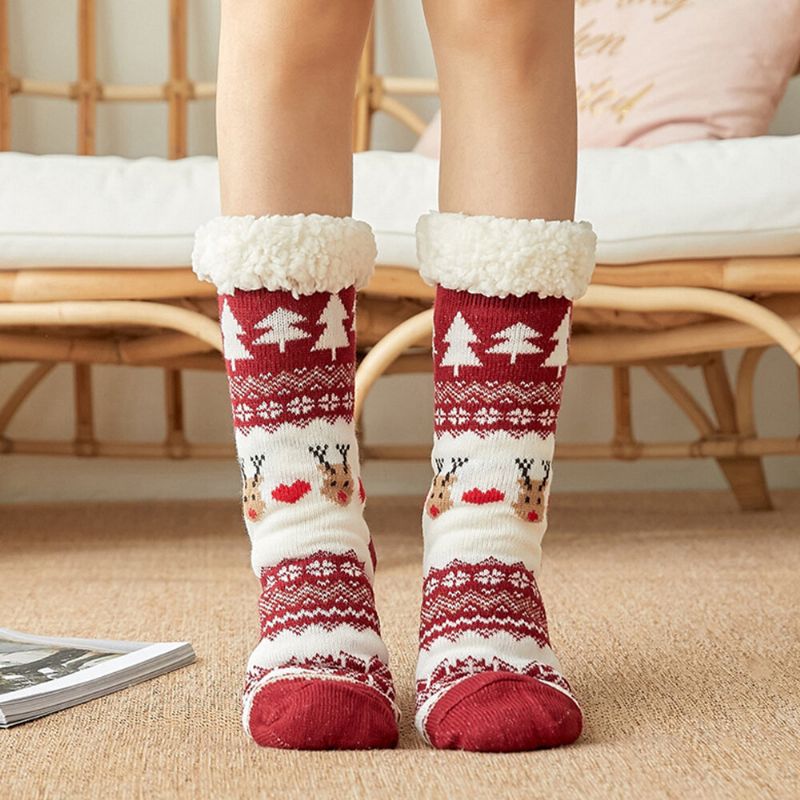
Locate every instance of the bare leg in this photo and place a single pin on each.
(287, 71)
(507, 80)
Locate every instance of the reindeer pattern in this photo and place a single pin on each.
(529, 503)
(440, 497)
(253, 505)
(338, 482)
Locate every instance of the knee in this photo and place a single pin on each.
(296, 41)
(512, 32)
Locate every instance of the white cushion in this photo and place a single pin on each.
(690, 200)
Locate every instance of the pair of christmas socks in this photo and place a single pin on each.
(487, 678)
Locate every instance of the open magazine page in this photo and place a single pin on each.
(27, 661)
(41, 674)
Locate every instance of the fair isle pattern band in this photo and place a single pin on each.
(490, 596)
(309, 393)
(485, 410)
(326, 589)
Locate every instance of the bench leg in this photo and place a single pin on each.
(744, 475)
(748, 482)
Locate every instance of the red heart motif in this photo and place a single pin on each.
(478, 497)
(291, 494)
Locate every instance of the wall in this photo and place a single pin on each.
(133, 50)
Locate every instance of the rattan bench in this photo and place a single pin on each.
(648, 315)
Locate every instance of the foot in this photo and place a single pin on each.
(316, 714)
(487, 678)
(336, 691)
(503, 712)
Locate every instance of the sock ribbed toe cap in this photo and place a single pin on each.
(501, 712)
(311, 714)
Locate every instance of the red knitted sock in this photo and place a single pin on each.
(487, 678)
(319, 677)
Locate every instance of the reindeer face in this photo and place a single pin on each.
(253, 505)
(337, 479)
(337, 483)
(440, 497)
(530, 502)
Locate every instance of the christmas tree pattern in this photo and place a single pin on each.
(459, 337)
(515, 340)
(334, 334)
(279, 327)
(232, 346)
(558, 358)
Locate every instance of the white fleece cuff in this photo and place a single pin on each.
(496, 257)
(302, 254)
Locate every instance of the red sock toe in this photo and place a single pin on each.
(500, 712)
(309, 714)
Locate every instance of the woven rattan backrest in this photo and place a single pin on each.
(178, 90)
(88, 90)
(373, 92)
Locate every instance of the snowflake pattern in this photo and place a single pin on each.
(486, 417)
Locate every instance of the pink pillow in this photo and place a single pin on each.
(653, 72)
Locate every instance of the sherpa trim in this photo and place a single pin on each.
(496, 257)
(302, 253)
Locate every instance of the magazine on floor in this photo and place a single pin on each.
(41, 674)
